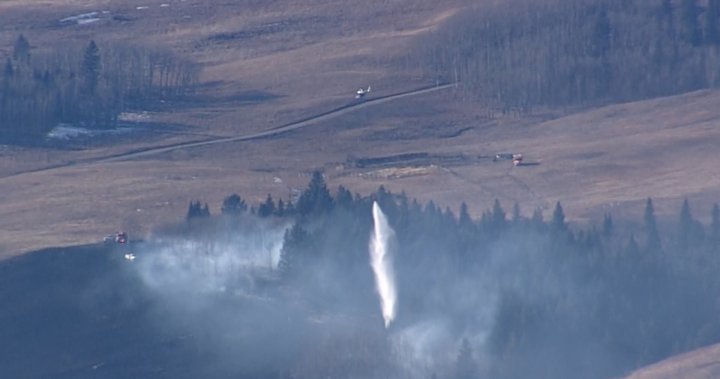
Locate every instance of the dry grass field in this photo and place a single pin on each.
(700, 364)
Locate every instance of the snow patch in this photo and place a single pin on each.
(66, 132)
(87, 21)
(133, 116)
(77, 18)
(85, 18)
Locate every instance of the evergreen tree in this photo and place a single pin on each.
(498, 217)
(600, 44)
(196, 210)
(667, 17)
(296, 250)
(465, 222)
(21, 50)
(289, 208)
(651, 231)
(715, 228)
(692, 32)
(233, 205)
(685, 226)
(607, 230)
(90, 69)
(8, 70)
(558, 220)
(280, 211)
(449, 219)
(537, 219)
(267, 208)
(516, 215)
(690, 231)
(632, 249)
(316, 198)
(344, 198)
(712, 29)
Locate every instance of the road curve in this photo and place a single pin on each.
(274, 131)
(267, 133)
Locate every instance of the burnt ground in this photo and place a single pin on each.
(82, 312)
(65, 321)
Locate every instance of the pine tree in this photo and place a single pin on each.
(715, 228)
(600, 43)
(632, 249)
(685, 226)
(465, 222)
(90, 69)
(537, 219)
(712, 29)
(316, 198)
(498, 217)
(558, 220)
(295, 251)
(690, 12)
(607, 226)
(233, 205)
(267, 208)
(8, 70)
(651, 232)
(21, 50)
(196, 210)
(344, 198)
(516, 215)
(667, 17)
(280, 211)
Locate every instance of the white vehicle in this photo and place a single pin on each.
(362, 92)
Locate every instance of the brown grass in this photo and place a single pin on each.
(609, 159)
(699, 364)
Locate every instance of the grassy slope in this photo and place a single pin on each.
(609, 159)
(700, 364)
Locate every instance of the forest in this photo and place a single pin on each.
(87, 86)
(502, 296)
(520, 55)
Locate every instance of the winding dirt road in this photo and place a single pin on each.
(277, 130)
(258, 135)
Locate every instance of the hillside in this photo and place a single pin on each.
(699, 364)
(275, 101)
(258, 76)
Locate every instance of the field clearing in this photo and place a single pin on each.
(699, 364)
(258, 76)
(591, 169)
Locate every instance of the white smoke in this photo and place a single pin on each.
(381, 262)
(210, 264)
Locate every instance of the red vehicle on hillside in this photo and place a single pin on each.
(121, 237)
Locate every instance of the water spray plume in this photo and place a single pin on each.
(381, 262)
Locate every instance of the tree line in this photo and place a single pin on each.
(86, 86)
(598, 301)
(522, 55)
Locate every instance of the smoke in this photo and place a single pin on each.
(381, 262)
(213, 263)
(220, 292)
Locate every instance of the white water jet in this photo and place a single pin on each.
(381, 262)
